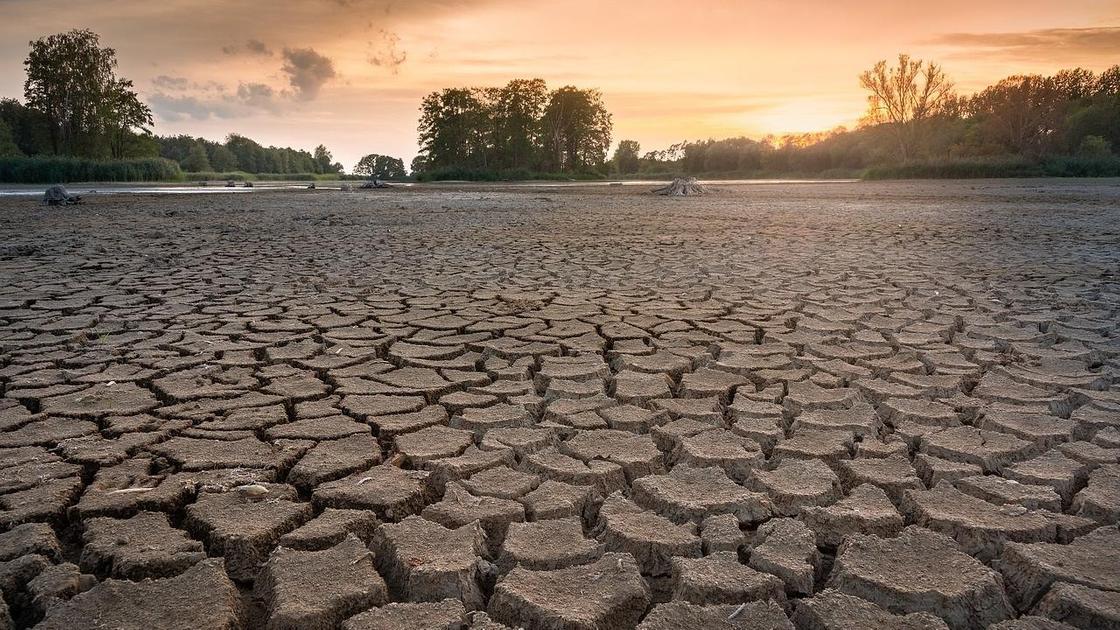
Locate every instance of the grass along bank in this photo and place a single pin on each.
(1011, 167)
(62, 170)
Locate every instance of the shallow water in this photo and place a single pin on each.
(29, 190)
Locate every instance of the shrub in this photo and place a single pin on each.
(1057, 166)
(454, 173)
(958, 169)
(237, 176)
(1080, 166)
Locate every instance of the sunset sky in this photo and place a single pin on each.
(351, 73)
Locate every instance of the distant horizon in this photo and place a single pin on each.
(350, 74)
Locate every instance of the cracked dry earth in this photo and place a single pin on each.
(830, 406)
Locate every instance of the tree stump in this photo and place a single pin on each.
(682, 187)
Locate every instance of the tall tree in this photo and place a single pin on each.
(250, 155)
(453, 128)
(8, 146)
(1075, 83)
(324, 161)
(196, 159)
(577, 130)
(71, 80)
(1021, 113)
(121, 112)
(517, 109)
(221, 158)
(626, 159)
(905, 95)
(30, 128)
(1108, 83)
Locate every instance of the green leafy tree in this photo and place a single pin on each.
(221, 158)
(250, 155)
(1023, 114)
(380, 167)
(1100, 117)
(71, 80)
(121, 112)
(576, 129)
(626, 160)
(454, 128)
(1094, 147)
(196, 159)
(8, 146)
(176, 148)
(139, 145)
(30, 128)
(517, 109)
(324, 161)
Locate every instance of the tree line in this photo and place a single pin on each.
(76, 110)
(239, 153)
(917, 123)
(512, 131)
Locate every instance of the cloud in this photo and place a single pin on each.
(168, 83)
(172, 108)
(1040, 45)
(171, 83)
(257, 47)
(307, 71)
(207, 101)
(177, 98)
(259, 95)
(385, 51)
(253, 47)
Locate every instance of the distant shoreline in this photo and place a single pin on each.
(157, 170)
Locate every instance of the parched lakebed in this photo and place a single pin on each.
(811, 406)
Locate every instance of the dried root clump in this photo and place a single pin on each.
(682, 187)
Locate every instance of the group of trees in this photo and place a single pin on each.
(519, 127)
(75, 103)
(375, 166)
(76, 108)
(915, 115)
(239, 153)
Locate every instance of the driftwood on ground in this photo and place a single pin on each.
(681, 187)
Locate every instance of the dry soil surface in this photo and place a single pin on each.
(799, 406)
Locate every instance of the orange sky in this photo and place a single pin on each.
(350, 73)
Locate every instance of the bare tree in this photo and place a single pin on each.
(905, 95)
